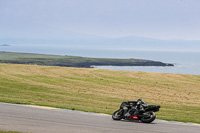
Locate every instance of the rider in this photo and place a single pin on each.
(138, 108)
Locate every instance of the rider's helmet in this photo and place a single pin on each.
(139, 101)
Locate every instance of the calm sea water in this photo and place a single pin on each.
(185, 62)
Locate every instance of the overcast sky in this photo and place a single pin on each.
(162, 19)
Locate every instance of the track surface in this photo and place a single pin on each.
(24, 118)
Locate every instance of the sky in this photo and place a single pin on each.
(59, 19)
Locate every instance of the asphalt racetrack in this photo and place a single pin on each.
(23, 118)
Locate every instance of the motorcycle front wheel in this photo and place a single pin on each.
(149, 117)
(118, 115)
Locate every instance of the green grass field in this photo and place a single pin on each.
(101, 91)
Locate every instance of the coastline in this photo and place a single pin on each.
(73, 61)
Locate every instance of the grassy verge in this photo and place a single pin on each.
(101, 91)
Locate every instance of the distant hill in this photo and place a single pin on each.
(4, 45)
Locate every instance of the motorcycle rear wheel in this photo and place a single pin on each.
(118, 115)
(150, 118)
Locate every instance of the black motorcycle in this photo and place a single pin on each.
(136, 110)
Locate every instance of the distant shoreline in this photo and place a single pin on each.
(4, 45)
(73, 61)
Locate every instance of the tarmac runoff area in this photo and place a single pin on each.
(40, 119)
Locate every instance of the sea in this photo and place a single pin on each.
(186, 62)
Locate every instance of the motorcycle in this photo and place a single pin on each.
(137, 111)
